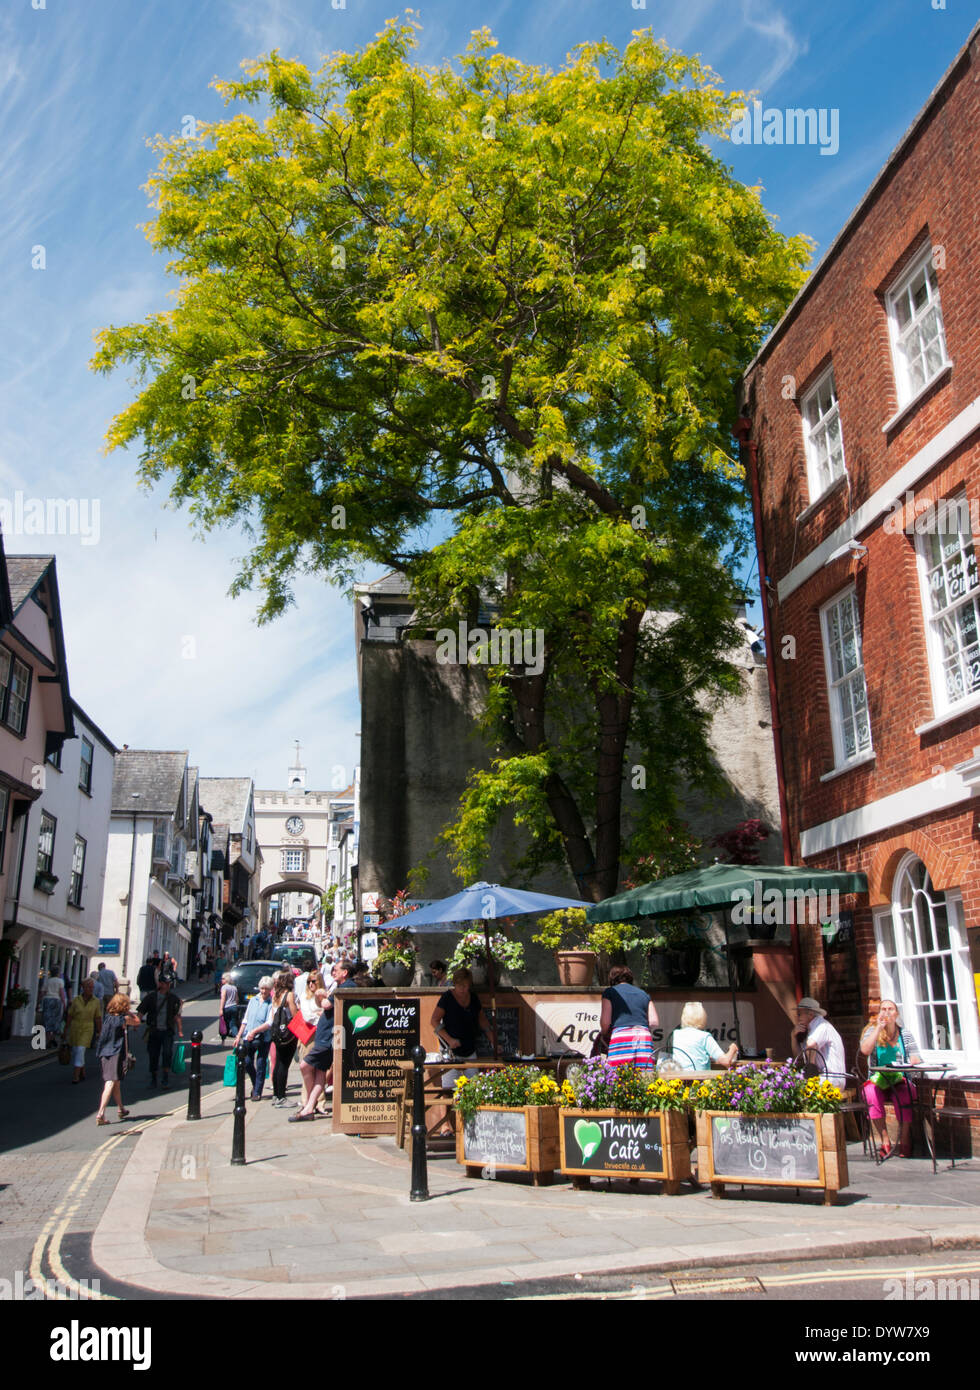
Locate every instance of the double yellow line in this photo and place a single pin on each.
(722, 1284)
(54, 1229)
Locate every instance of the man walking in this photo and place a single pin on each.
(168, 969)
(160, 1009)
(146, 977)
(107, 980)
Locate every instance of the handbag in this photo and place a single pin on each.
(64, 1054)
(180, 1059)
(222, 1026)
(300, 1029)
(231, 1070)
(280, 1030)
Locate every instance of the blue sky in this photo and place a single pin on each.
(159, 655)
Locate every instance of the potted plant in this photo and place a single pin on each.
(675, 950)
(577, 946)
(396, 957)
(17, 998)
(44, 881)
(623, 1122)
(471, 954)
(771, 1126)
(509, 1121)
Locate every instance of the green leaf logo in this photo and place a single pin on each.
(362, 1018)
(588, 1136)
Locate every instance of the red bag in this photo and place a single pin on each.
(222, 1026)
(300, 1029)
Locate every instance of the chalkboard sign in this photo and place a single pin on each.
(378, 1033)
(840, 963)
(508, 1034)
(496, 1136)
(766, 1149)
(599, 1143)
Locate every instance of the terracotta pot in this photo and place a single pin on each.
(576, 967)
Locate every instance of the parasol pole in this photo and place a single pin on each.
(493, 990)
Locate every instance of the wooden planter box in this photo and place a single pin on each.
(623, 1144)
(507, 1139)
(773, 1150)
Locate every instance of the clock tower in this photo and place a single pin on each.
(296, 775)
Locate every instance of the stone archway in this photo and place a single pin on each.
(287, 885)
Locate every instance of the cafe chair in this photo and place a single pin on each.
(947, 1113)
(671, 1061)
(858, 1107)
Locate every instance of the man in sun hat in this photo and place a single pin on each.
(819, 1041)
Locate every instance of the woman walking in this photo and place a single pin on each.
(255, 1036)
(113, 1052)
(53, 1004)
(285, 1005)
(84, 1021)
(228, 1006)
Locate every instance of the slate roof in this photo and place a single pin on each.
(157, 777)
(23, 574)
(226, 799)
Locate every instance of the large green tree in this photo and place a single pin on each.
(481, 323)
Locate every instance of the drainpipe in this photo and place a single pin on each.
(129, 898)
(748, 457)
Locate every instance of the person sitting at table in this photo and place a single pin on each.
(627, 1020)
(694, 1047)
(819, 1042)
(885, 1041)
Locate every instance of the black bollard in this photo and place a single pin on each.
(194, 1079)
(238, 1136)
(420, 1176)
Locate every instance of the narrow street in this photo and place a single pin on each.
(58, 1169)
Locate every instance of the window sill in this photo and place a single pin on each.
(77, 906)
(910, 405)
(855, 762)
(815, 506)
(967, 707)
(85, 790)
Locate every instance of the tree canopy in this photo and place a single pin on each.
(481, 323)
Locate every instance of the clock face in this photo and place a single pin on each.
(294, 825)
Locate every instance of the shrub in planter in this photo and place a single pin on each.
(625, 1122)
(471, 950)
(508, 1120)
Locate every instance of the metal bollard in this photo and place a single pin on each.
(238, 1136)
(420, 1176)
(194, 1079)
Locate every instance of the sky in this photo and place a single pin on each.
(159, 655)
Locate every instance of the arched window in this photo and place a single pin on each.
(924, 964)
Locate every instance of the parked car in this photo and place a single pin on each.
(298, 954)
(246, 974)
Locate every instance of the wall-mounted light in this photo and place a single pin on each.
(851, 547)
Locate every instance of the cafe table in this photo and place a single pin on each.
(434, 1094)
(927, 1112)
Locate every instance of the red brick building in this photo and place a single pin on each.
(862, 427)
